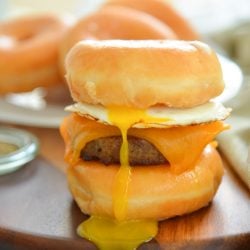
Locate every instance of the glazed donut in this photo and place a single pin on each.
(143, 73)
(164, 12)
(29, 52)
(114, 23)
(91, 185)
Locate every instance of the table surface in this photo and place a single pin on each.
(38, 212)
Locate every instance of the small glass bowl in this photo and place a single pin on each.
(26, 149)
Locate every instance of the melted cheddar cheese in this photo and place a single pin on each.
(175, 143)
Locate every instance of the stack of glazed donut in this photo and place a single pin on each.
(33, 49)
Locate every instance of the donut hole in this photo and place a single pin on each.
(25, 37)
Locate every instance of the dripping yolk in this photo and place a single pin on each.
(124, 118)
(110, 234)
(118, 233)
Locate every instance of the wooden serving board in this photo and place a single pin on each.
(38, 212)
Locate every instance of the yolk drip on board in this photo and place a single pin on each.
(110, 234)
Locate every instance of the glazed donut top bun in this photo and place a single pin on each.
(141, 74)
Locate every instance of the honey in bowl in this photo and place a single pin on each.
(7, 148)
(17, 147)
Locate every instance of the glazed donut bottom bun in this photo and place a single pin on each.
(155, 192)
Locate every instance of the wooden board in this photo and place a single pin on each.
(38, 212)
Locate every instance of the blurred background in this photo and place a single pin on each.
(206, 15)
(227, 22)
(224, 24)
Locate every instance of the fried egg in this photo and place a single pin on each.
(163, 116)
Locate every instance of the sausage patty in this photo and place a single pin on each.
(107, 150)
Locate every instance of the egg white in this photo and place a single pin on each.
(208, 112)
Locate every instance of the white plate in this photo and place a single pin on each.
(40, 108)
(33, 109)
(233, 79)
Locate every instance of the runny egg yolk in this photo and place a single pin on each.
(118, 233)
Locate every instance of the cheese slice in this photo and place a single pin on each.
(181, 146)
